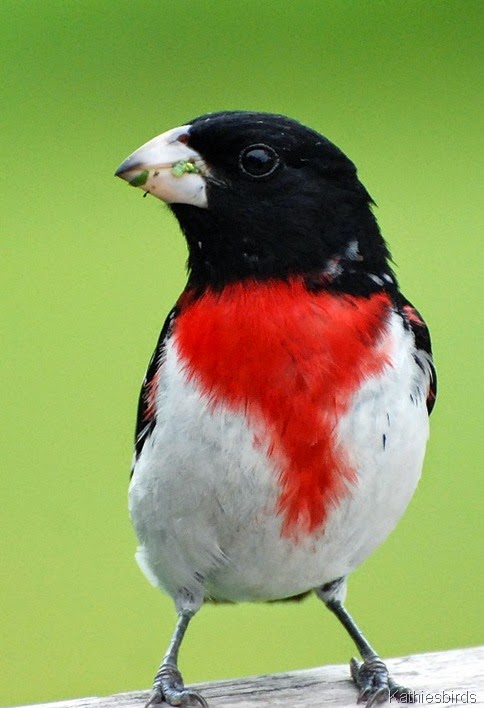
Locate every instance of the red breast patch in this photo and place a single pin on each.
(290, 360)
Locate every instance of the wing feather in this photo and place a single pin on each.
(146, 416)
(423, 355)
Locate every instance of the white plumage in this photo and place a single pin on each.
(203, 495)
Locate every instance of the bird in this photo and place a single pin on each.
(283, 419)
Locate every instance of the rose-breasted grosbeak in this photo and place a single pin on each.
(283, 419)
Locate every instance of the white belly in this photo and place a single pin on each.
(203, 496)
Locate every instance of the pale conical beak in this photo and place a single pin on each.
(168, 168)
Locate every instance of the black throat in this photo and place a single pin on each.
(341, 249)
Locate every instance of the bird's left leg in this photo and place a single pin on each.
(370, 676)
(168, 684)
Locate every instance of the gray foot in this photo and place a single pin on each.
(169, 687)
(375, 685)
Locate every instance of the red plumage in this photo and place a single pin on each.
(291, 361)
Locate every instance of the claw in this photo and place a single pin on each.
(379, 696)
(354, 669)
(194, 696)
(401, 692)
(154, 697)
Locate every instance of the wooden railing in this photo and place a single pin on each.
(450, 678)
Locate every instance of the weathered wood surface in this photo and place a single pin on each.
(444, 678)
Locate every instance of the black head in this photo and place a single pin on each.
(279, 199)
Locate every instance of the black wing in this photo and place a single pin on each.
(423, 356)
(146, 416)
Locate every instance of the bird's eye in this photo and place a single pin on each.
(258, 160)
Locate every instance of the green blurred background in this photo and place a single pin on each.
(89, 270)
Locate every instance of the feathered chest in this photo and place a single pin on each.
(291, 362)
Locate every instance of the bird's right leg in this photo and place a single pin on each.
(168, 684)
